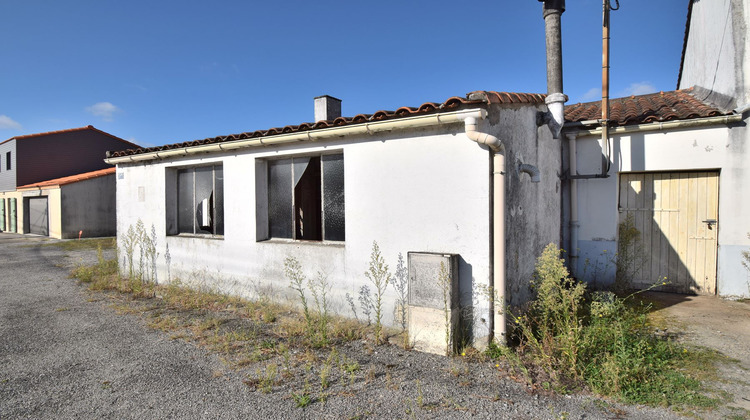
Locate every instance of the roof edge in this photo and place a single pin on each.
(70, 179)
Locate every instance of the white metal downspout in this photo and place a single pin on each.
(573, 169)
(497, 297)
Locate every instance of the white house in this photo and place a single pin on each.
(448, 178)
(678, 165)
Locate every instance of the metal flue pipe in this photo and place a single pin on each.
(553, 10)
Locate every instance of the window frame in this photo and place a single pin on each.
(174, 226)
(264, 198)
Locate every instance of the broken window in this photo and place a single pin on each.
(306, 198)
(200, 200)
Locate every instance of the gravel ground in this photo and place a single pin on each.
(65, 353)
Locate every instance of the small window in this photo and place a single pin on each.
(306, 198)
(7, 161)
(200, 201)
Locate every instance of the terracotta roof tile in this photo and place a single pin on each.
(477, 98)
(641, 109)
(70, 179)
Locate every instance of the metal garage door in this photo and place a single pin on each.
(38, 216)
(677, 216)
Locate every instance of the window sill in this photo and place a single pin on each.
(198, 236)
(281, 241)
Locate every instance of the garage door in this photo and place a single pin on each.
(677, 217)
(38, 216)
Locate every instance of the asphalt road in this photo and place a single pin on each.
(65, 356)
(65, 353)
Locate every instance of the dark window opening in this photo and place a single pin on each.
(7, 161)
(200, 200)
(306, 198)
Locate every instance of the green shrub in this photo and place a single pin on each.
(602, 342)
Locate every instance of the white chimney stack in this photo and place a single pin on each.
(327, 108)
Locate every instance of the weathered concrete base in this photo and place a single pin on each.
(427, 329)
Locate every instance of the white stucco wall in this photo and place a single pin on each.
(716, 56)
(425, 193)
(717, 148)
(420, 190)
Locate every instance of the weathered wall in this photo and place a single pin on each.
(8, 177)
(715, 54)
(708, 148)
(426, 193)
(88, 206)
(421, 190)
(532, 209)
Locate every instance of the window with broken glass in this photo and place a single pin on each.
(306, 198)
(200, 200)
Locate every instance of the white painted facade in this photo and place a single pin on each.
(710, 148)
(716, 62)
(423, 190)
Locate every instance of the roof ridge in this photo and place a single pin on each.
(69, 130)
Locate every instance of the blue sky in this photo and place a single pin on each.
(165, 71)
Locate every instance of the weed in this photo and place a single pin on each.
(350, 301)
(444, 282)
(268, 379)
(81, 244)
(746, 264)
(320, 289)
(420, 395)
(630, 254)
(379, 276)
(366, 303)
(302, 399)
(400, 283)
(604, 343)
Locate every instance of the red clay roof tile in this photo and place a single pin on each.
(70, 179)
(641, 109)
(450, 104)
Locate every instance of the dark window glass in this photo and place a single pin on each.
(7, 161)
(219, 199)
(306, 198)
(280, 210)
(185, 188)
(333, 197)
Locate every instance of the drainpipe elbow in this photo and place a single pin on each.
(532, 170)
(491, 141)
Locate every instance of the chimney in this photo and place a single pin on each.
(556, 99)
(327, 108)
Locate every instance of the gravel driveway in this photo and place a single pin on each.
(64, 353)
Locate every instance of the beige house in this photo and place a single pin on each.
(74, 206)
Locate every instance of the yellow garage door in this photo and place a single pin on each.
(676, 214)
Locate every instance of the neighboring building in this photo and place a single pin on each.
(34, 158)
(680, 167)
(74, 206)
(229, 210)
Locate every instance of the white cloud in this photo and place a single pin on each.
(104, 110)
(7, 122)
(592, 94)
(640, 88)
